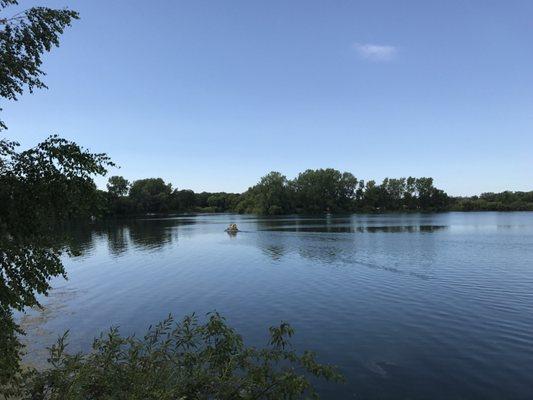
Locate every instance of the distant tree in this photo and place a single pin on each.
(325, 190)
(118, 186)
(183, 200)
(201, 199)
(347, 187)
(360, 191)
(439, 200)
(429, 197)
(117, 201)
(396, 189)
(370, 196)
(151, 195)
(270, 196)
(232, 201)
(217, 201)
(410, 199)
(424, 189)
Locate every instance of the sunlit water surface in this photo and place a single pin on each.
(416, 306)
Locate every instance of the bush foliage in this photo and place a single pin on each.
(185, 360)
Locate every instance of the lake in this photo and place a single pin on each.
(409, 306)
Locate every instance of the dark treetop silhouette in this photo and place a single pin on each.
(312, 191)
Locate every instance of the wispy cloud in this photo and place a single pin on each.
(376, 52)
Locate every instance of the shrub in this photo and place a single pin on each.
(185, 360)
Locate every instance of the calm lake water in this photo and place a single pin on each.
(412, 306)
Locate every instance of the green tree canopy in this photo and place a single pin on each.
(183, 200)
(151, 195)
(24, 38)
(118, 186)
(271, 195)
(323, 190)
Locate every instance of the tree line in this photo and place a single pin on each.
(153, 195)
(311, 192)
(503, 201)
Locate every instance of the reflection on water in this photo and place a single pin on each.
(352, 229)
(120, 235)
(409, 306)
(343, 225)
(231, 234)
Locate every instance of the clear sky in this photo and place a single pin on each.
(211, 95)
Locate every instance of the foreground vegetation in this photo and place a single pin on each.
(312, 191)
(187, 360)
(53, 183)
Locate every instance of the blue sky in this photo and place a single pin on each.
(211, 95)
